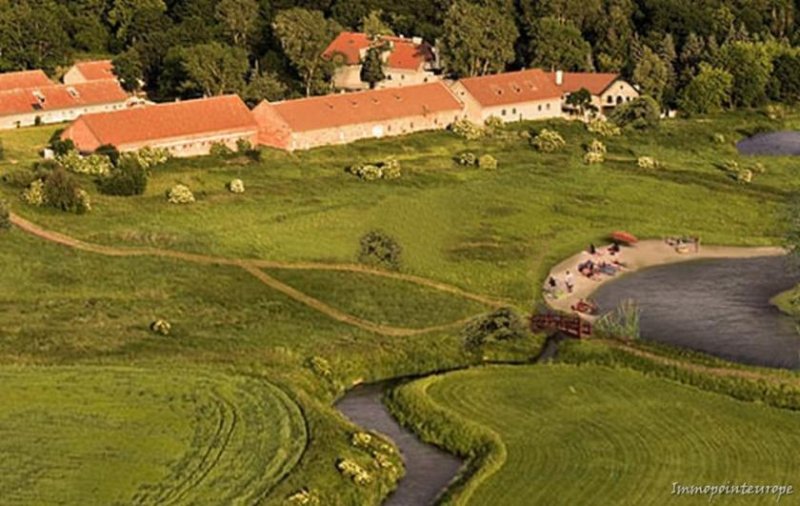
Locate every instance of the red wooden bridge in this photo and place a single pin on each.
(570, 324)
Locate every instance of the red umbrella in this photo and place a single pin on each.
(625, 237)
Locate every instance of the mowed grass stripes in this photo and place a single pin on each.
(100, 435)
(592, 435)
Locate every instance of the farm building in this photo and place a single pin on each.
(23, 79)
(338, 119)
(608, 89)
(186, 128)
(86, 71)
(510, 96)
(406, 61)
(55, 103)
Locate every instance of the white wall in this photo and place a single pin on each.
(55, 116)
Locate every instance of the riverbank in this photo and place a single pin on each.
(641, 255)
(784, 301)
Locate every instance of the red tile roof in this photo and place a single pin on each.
(333, 111)
(595, 82)
(176, 120)
(23, 79)
(55, 97)
(512, 87)
(96, 70)
(404, 54)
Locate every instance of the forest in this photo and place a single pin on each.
(699, 55)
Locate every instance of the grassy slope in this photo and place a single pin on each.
(494, 233)
(579, 433)
(85, 435)
(785, 301)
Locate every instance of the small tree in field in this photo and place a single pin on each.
(548, 141)
(378, 247)
(372, 68)
(580, 100)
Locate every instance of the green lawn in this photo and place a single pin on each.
(589, 434)
(101, 435)
(788, 301)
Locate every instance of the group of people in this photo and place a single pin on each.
(684, 244)
(592, 268)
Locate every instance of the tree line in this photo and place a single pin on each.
(701, 55)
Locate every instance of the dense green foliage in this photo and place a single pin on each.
(649, 432)
(499, 325)
(126, 179)
(379, 248)
(5, 220)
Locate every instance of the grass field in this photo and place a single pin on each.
(99, 435)
(490, 233)
(579, 435)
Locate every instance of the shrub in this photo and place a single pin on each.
(647, 162)
(758, 168)
(467, 129)
(236, 186)
(110, 151)
(621, 323)
(390, 169)
(61, 147)
(718, 138)
(378, 247)
(731, 166)
(5, 215)
(361, 440)
(595, 152)
(128, 179)
(487, 162)
(61, 190)
(353, 471)
(641, 114)
(303, 497)
(220, 149)
(548, 141)
(148, 157)
(96, 165)
(500, 325)
(34, 194)
(468, 159)
(744, 176)
(20, 178)
(180, 194)
(775, 111)
(387, 169)
(603, 128)
(161, 327)
(243, 146)
(493, 125)
(320, 367)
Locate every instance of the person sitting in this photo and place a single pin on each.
(592, 249)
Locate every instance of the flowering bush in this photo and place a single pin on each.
(180, 194)
(236, 186)
(467, 129)
(718, 138)
(487, 162)
(95, 165)
(744, 176)
(148, 157)
(758, 168)
(355, 472)
(390, 169)
(320, 367)
(647, 162)
(387, 169)
(303, 497)
(603, 128)
(84, 203)
(548, 141)
(595, 152)
(161, 327)
(34, 194)
(361, 440)
(467, 159)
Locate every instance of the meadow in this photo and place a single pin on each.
(493, 234)
(562, 434)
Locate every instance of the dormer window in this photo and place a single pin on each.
(73, 92)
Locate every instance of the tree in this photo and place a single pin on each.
(372, 24)
(238, 17)
(708, 91)
(615, 32)
(264, 86)
(581, 100)
(213, 69)
(786, 76)
(692, 54)
(304, 35)
(372, 67)
(641, 114)
(651, 74)
(123, 11)
(128, 68)
(750, 65)
(557, 45)
(33, 35)
(477, 39)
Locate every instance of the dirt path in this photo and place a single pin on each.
(689, 366)
(639, 256)
(254, 267)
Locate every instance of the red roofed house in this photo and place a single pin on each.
(23, 79)
(511, 96)
(55, 103)
(405, 61)
(338, 119)
(608, 89)
(186, 128)
(86, 71)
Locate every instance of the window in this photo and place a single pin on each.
(514, 110)
(547, 107)
(610, 99)
(402, 77)
(412, 125)
(540, 107)
(503, 112)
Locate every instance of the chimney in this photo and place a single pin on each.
(559, 77)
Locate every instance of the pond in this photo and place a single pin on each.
(771, 143)
(720, 307)
(428, 470)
